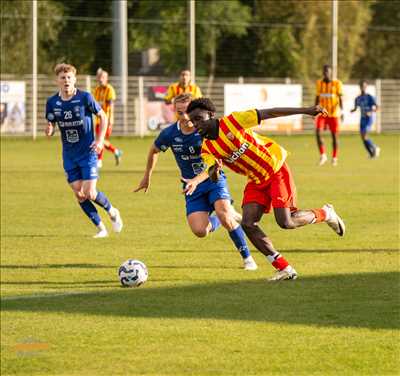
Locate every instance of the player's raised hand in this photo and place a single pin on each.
(317, 110)
(144, 184)
(50, 129)
(214, 170)
(190, 187)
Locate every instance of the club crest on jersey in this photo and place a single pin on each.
(238, 153)
(178, 139)
(58, 103)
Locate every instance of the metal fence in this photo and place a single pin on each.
(388, 96)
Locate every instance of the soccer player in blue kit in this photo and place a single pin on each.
(185, 142)
(367, 105)
(72, 109)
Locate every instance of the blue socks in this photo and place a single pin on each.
(91, 211)
(102, 201)
(369, 145)
(238, 237)
(215, 223)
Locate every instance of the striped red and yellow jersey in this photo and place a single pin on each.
(328, 94)
(104, 95)
(242, 150)
(176, 89)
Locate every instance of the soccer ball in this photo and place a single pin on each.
(132, 273)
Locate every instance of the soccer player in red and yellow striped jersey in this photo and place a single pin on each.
(183, 86)
(329, 96)
(104, 94)
(231, 141)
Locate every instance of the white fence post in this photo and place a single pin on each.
(34, 70)
(378, 85)
(141, 119)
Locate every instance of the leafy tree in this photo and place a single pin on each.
(16, 26)
(381, 53)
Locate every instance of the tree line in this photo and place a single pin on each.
(249, 38)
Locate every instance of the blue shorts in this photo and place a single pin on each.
(366, 124)
(206, 194)
(81, 169)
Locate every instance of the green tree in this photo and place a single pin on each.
(296, 40)
(16, 26)
(380, 49)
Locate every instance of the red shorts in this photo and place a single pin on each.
(277, 192)
(108, 131)
(331, 123)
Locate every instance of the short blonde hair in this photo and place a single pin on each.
(185, 97)
(65, 68)
(100, 71)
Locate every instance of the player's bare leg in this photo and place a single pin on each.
(252, 214)
(291, 220)
(321, 146)
(335, 145)
(199, 223)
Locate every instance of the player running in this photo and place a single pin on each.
(368, 106)
(186, 143)
(72, 109)
(231, 141)
(329, 96)
(104, 94)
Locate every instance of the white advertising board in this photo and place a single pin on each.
(12, 106)
(240, 97)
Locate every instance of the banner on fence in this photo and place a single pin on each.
(158, 114)
(239, 97)
(12, 106)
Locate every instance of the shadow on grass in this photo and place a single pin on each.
(283, 251)
(365, 300)
(57, 266)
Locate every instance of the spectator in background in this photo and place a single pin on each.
(104, 94)
(329, 96)
(368, 106)
(182, 86)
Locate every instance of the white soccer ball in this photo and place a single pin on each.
(132, 273)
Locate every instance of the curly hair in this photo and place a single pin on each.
(203, 104)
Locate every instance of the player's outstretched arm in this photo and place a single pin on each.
(152, 159)
(269, 113)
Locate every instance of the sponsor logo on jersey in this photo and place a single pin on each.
(76, 101)
(50, 116)
(238, 153)
(58, 103)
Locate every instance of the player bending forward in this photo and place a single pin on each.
(270, 183)
(72, 110)
(186, 143)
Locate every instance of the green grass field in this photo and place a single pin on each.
(63, 312)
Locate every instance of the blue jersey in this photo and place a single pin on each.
(187, 152)
(186, 149)
(366, 103)
(74, 119)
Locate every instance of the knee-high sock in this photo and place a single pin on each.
(238, 237)
(103, 201)
(215, 223)
(91, 211)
